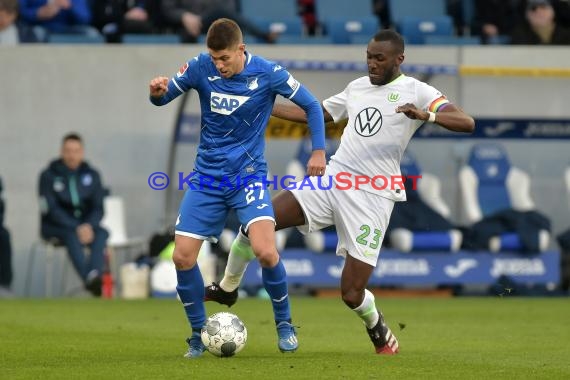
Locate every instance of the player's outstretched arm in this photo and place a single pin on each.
(451, 117)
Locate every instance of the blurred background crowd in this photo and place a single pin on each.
(287, 21)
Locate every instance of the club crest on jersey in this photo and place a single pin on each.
(252, 83)
(182, 70)
(368, 122)
(393, 97)
(226, 104)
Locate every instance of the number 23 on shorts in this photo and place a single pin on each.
(368, 237)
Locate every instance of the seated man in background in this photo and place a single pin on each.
(71, 196)
(5, 254)
(194, 17)
(117, 17)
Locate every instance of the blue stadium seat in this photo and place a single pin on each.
(342, 31)
(283, 26)
(151, 39)
(489, 184)
(269, 10)
(414, 8)
(429, 191)
(304, 40)
(277, 16)
(415, 29)
(331, 9)
(452, 40)
(499, 40)
(55, 38)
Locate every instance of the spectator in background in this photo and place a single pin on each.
(71, 196)
(494, 18)
(539, 26)
(59, 16)
(380, 8)
(11, 32)
(117, 17)
(5, 254)
(307, 13)
(194, 17)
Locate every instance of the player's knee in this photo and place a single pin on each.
(182, 259)
(352, 297)
(268, 258)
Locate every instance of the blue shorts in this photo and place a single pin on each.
(204, 209)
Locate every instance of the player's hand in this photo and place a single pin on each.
(412, 112)
(317, 163)
(158, 86)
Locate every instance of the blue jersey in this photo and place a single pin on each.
(235, 111)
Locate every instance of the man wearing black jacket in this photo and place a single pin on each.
(71, 196)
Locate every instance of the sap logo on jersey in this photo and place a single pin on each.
(226, 104)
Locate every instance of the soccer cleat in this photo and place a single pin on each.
(287, 337)
(215, 293)
(381, 336)
(195, 346)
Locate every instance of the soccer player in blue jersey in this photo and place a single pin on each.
(237, 91)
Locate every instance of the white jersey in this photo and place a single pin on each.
(375, 136)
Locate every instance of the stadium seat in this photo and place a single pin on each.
(342, 9)
(413, 8)
(489, 184)
(53, 252)
(342, 30)
(278, 16)
(415, 29)
(304, 40)
(429, 191)
(499, 40)
(115, 222)
(156, 39)
(452, 40)
(55, 38)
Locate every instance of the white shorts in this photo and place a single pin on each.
(361, 218)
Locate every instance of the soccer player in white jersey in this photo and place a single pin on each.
(384, 109)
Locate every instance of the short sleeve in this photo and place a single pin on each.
(336, 105)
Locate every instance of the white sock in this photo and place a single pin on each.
(367, 310)
(240, 256)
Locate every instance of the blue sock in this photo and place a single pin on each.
(190, 288)
(275, 282)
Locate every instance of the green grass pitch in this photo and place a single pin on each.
(457, 338)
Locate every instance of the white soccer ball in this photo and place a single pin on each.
(224, 334)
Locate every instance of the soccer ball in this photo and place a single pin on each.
(224, 334)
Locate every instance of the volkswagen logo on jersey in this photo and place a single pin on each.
(226, 104)
(368, 122)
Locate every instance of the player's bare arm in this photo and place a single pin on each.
(451, 117)
(158, 86)
(295, 113)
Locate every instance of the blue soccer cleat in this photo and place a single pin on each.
(195, 346)
(287, 337)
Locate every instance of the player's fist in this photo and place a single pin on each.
(317, 163)
(158, 86)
